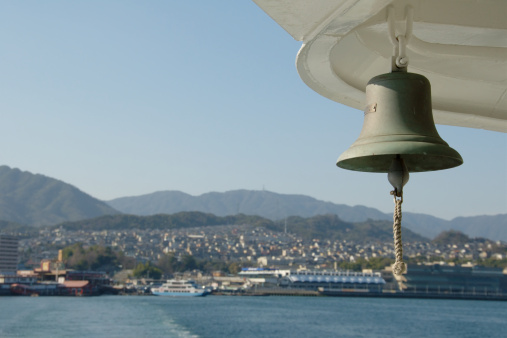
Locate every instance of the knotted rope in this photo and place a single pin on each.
(399, 266)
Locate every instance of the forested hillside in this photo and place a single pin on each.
(38, 200)
(319, 227)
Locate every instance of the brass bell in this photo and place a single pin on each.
(398, 123)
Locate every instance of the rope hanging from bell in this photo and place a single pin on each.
(398, 176)
(399, 267)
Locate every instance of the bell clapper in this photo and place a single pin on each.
(398, 176)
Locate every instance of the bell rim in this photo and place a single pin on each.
(418, 156)
(353, 164)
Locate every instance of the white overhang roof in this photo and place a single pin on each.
(335, 279)
(459, 45)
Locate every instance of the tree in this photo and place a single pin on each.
(234, 268)
(353, 266)
(168, 263)
(451, 237)
(188, 263)
(92, 258)
(377, 263)
(147, 270)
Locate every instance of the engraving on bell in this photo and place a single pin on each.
(371, 108)
(402, 124)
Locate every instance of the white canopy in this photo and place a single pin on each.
(459, 45)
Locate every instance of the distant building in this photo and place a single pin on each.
(341, 281)
(8, 253)
(438, 278)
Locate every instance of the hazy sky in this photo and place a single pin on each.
(124, 98)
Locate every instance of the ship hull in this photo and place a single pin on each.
(179, 294)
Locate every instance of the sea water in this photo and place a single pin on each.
(228, 316)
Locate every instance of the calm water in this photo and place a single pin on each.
(221, 316)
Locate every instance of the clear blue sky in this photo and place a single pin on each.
(124, 98)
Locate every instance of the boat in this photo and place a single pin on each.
(180, 288)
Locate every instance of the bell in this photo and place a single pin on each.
(398, 123)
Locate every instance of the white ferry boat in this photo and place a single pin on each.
(178, 287)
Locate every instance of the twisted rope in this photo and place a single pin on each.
(399, 266)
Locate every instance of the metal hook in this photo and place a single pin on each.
(399, 42)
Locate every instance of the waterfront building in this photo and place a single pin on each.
(8, 254)
(12, 278)
(78, 288)
(342, 281)
(263, 273)
(263, 276)
(436, 278)
(55, 282)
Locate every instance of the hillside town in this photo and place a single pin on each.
(253, 245)
(265, 262)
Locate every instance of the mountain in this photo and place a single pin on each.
(162, 221)
(331, 227)
(12, 227)
(278, 206)
(37, 200)
(321, 227)
(263, 203)
(451, 237)
(481, 226)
